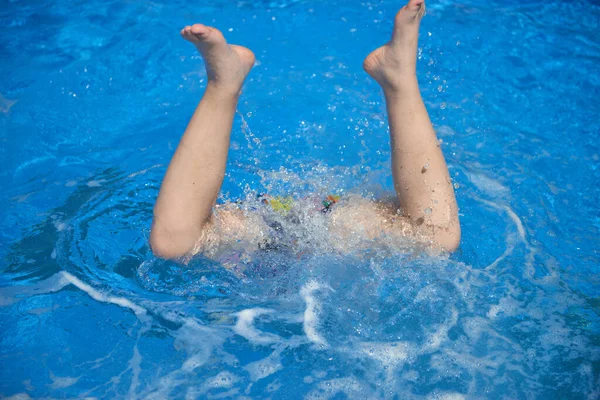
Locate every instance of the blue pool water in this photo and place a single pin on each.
(94, 97)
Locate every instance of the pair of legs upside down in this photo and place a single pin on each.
(185, 221)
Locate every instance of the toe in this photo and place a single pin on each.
(414, 10)
(414, 5)
(204, 34)
(200, 30)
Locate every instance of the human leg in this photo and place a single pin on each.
(195, 174)
(420, 174)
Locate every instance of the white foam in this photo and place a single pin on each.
(198, 342)
(446, 396)
(313, 308)
(510, 247)
(351, 387)
(19, 396)
(223, 380)
(517, 221)
(134, 174)
(61, 382)
(530, 268)
(488, 185)
(13, 294)
(390, 355)
(60, 226)
(508, 306)
(267, 366)
(99, 296)
(474, 327)
(42, 310)
(436, 338)
(244, 327)
(135, 365)
(96, 183)
(426, 293)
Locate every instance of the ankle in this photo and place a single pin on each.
(400, 87)
(221, 91)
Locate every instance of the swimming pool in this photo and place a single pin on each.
(95, 96)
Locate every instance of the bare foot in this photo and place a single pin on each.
(226, 65)
(395, 64)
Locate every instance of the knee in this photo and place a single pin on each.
(449, 239)
(171, 245)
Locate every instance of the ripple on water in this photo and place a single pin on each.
(87, 311)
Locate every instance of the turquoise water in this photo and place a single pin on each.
(95, 96)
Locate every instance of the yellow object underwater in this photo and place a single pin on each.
(284, 204)
(281, 204)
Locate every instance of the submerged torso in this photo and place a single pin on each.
(299, 226)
